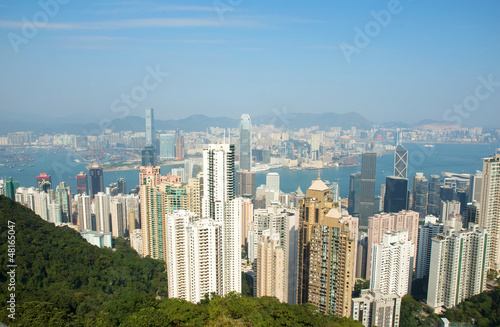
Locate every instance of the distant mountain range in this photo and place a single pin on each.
(94, 125)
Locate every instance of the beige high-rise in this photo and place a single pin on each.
(489, 217)
(327, 252)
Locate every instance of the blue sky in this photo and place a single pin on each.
(228, 57)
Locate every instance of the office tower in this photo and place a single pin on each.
(434, 203)
(219, 204)
(396, 194)
(150, 130)
(246, 184)
(122, 186)
(102, 212)
(84, 213)
(167, 146)
(245, 143)
(82, 185)
(96, 179)
(475, 185)
(471, 214)
(179, 145)
(273, 181)
(449, 210)
(246, 217)
(44, 182)
(354, 194)
(458, 266)
(192, 256)
(401, 162)
(426, 233)
(420, 194)
(489, 214)
(116, 213)
(270, 267)
(323, 233)
(367, 195)
(148, 156)
(379, 224)
(63, 198)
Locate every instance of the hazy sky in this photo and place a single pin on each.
(387, 60)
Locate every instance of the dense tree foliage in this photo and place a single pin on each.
(59, 270)
(483, 309)
(61, 280)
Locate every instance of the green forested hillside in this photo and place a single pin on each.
(61, 280)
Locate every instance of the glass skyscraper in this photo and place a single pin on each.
(245, 142)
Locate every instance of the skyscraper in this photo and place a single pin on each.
(148, 156)
(354, 194)
(420, 194)
(96, 179)
(179, 146)
(489, 214)
(150, 129)
(122, 186)
(367, 196)
(326, 255)
(401, 162)
(63, 198)
(219, 204)
(383, 223)
(193, 256)
(391, 276)
(458, 266)
(167, 146)
(246, 184)
(44, 182)
(149, 151)
(434, 203)
(102, 212)
(396, 194)
(245, 142)
(426, 233)
(82, 185)
(84, 213)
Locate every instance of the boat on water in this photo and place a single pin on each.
(429, 145)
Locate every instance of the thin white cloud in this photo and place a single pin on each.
(134, 23)
(186, 8)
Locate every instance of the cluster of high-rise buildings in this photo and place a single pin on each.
(211, 224)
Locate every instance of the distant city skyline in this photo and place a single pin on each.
(422, 60)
